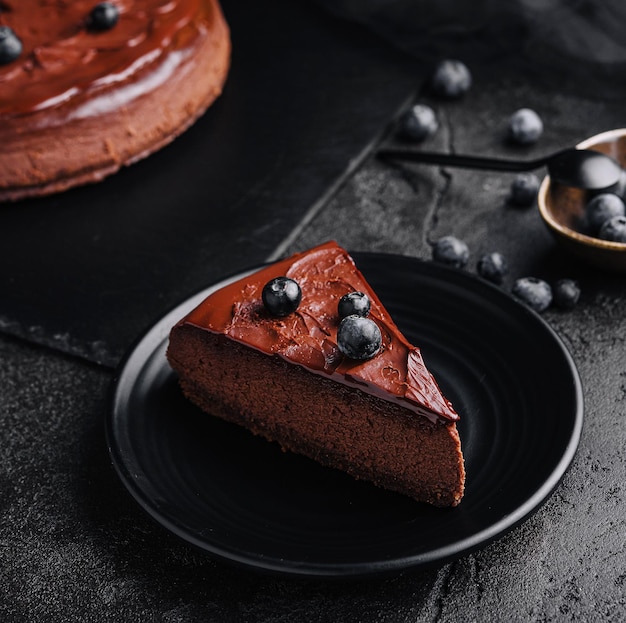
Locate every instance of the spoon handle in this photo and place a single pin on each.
(458, 160)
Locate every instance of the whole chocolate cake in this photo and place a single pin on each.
(87, 87)
(291, 353)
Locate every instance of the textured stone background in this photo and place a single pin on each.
(75, 547)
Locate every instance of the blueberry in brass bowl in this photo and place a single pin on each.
(566, 210)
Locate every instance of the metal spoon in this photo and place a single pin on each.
(580, 168)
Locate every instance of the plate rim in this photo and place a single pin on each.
(159, 330)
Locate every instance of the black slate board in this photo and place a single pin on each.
(85, 271)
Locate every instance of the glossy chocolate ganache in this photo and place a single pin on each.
(308, 337)
(64, 58)
(80, 99)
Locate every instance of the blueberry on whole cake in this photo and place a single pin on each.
(303, 353)
(87, 87)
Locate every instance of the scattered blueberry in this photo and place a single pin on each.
(493, 267)
(566, 293)
(451, 79)
(103, 16)
(281, 296)
(614, 229)
(524, 189)
(525, 126)
(536, 293)
(354, 304)
(600, 209)
(419, 123)
(358, 337)
(10, 45)
(451, 251)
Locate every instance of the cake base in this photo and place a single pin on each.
(334, 424)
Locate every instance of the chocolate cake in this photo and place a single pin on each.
(87, 87)
(287, 372)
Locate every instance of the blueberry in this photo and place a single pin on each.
(614, 229)
(103, 16)
(619, 188)
(525, 126)
(566, 293)
(10, 46)
(281, 296)
(358, 337)
(354, 304)
(419, 123)
(493, 267)
(536, 293)
(451, 79)
(600, 209)
(451, 251)
(524, 189)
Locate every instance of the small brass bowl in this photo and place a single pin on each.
(562, 210)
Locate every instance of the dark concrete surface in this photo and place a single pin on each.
(75, 547)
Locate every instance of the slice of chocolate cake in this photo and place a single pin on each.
(303, 352)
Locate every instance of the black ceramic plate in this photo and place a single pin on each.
(242, 499)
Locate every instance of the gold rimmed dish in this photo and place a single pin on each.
(562, 209)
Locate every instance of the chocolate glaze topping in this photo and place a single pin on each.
(63, 59)
(308, 337)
